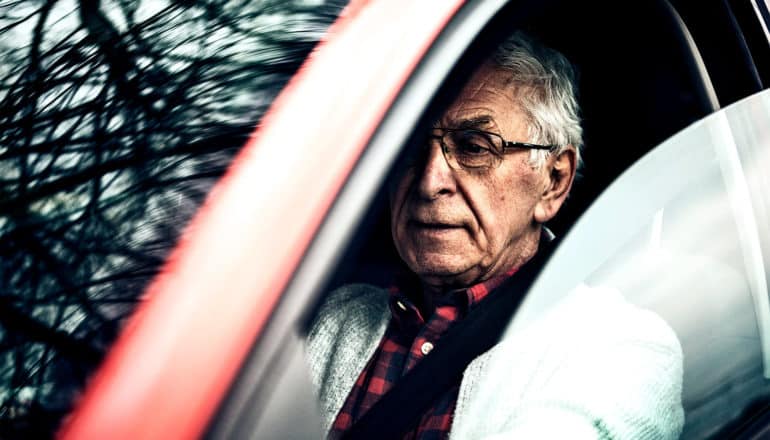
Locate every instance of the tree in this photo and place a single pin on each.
(117, 116)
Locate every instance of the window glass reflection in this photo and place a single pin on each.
(684, 234)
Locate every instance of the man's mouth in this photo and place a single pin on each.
(433, 226)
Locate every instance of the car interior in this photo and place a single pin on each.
(646, 70)
(636, 90)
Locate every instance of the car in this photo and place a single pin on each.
(676, 113)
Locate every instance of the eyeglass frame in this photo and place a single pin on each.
(506, 145)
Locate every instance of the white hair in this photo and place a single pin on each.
(545, 89)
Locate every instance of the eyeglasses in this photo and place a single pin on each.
(471, 149)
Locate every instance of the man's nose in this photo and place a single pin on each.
(437, 177)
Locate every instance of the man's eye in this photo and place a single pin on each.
(472, 149)
(473, 155)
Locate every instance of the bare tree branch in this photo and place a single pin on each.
(116, 117)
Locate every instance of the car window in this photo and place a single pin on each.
(678, 237)
(683, 233)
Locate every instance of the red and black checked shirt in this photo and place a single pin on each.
(409, 338)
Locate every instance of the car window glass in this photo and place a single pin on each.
(667, 95)
(683, 233)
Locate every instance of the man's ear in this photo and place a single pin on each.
(559, 172)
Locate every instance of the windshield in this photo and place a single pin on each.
(683, 233)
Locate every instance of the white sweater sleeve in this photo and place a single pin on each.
(596, 368)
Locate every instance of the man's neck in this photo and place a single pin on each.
(430, 293)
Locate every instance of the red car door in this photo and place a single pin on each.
(179, 353)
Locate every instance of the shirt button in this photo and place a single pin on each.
(426, 348)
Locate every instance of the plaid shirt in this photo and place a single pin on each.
(409, 338)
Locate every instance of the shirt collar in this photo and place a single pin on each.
(405, 311)
(478, 292)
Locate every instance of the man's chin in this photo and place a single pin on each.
(438, 267)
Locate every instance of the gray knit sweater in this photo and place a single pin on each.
(594, 367)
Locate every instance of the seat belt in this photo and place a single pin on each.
(401, 408)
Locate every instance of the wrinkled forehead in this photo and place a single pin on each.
(486, 100)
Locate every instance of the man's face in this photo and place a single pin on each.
(455, 228)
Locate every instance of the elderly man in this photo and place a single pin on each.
(467, 212)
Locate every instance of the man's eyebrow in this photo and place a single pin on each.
(477, 122)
